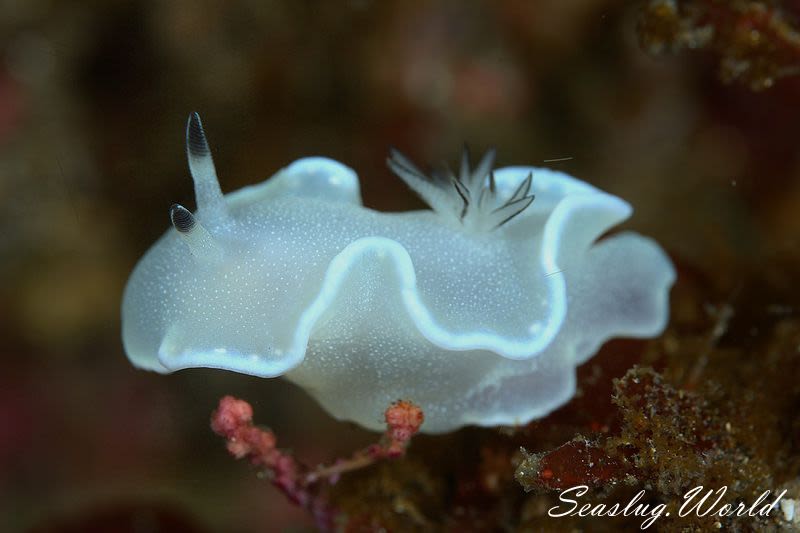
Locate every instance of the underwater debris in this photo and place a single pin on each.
(758, 41)
(233, 420)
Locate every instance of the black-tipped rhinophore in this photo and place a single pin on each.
(196, 140)
(199, 241)
(181, 218)
(196, 137)
(201, 165)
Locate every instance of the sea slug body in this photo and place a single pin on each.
(478, 310)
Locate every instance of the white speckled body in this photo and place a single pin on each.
(295, 277)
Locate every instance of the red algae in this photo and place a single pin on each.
(233, 420)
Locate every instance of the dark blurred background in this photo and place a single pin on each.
(93, 101)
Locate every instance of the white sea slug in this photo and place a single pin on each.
(478, 310)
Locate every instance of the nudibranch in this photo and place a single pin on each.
(478, 310)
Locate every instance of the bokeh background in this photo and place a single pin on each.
(94, 96)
